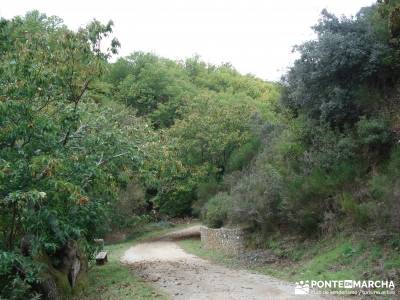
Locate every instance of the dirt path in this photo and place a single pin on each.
(186, 276)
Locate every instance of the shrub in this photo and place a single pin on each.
(17, 276)
(129, 207)
(242, 156)
(385, 190)
(360, 214)
(216, 210)
(205, 191)
(256, 198)
(374, 133)
(348, 54)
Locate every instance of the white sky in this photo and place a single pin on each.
(256, 36)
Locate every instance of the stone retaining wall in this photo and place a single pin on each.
(227, 240)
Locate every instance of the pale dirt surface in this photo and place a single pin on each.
(186, 276)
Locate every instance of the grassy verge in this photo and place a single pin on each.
(339, 258)
(115, 281)
(193, 246)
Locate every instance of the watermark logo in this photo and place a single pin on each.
(302, 288)
(345, 287)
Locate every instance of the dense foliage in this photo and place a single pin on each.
(63, 156)
(205, 118)
(88, 146)
(346, 72)
(329, 163)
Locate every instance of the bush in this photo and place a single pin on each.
(205, 191)
(17, 276)
(256, 198)
(130, 208)
(374, 133)
(216, 210)
(242, 156)
(359, 213)
(385, 190)
(348, 55)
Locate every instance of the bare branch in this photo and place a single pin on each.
(102, 162)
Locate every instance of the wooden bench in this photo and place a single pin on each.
(101, 258)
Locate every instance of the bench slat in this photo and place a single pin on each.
(101, 255)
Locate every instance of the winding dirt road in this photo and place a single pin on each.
(186, 276)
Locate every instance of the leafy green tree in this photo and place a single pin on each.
(63, 156)
(342, 74)
(155, 87)
(198, 147)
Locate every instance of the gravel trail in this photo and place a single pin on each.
(186, 276)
